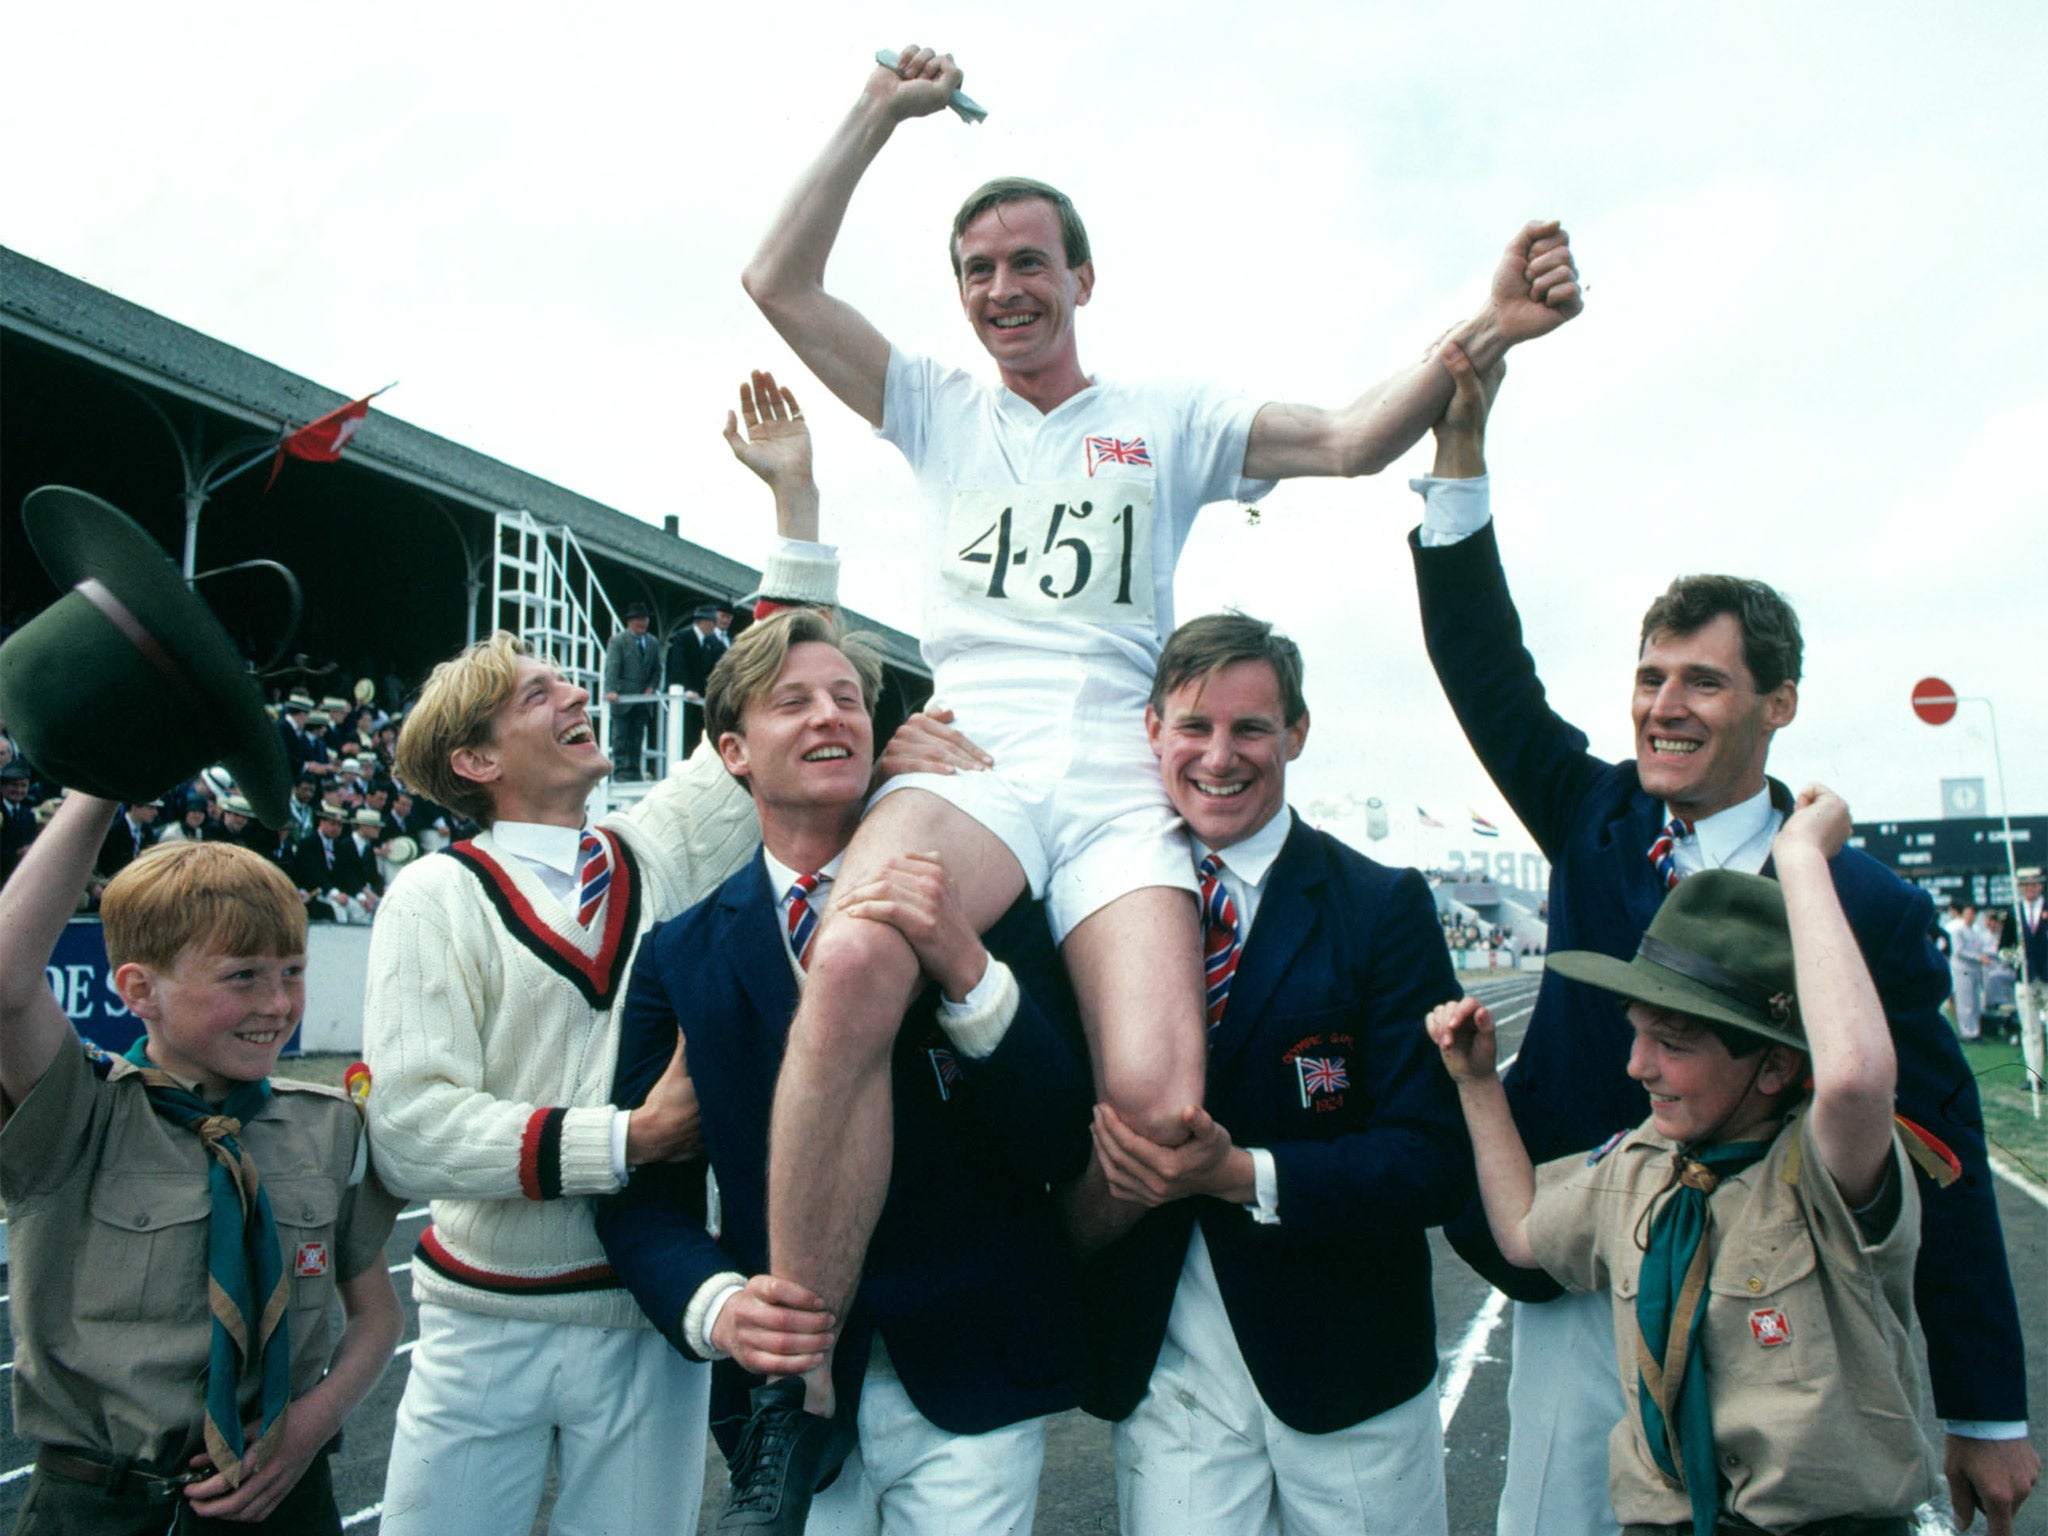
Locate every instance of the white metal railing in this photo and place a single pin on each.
(544, 590)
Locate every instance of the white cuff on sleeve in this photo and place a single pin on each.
(1988, 1429)
(620, 1120)
(1452, 510)
(1266, 1185)
(701, 1315)
(976, 1024)
(802, 572)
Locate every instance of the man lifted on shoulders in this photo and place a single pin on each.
(1058, 507)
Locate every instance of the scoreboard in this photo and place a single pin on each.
(1958, 859)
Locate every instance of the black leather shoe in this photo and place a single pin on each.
(785, 1455)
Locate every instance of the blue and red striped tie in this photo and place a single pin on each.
(595, 880)
(803, 919)
(1664, 851)
(1220, 944)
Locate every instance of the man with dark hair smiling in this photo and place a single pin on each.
(1716, 677)
(1342, 1146)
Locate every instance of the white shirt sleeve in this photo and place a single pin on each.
(1265, 1208)
(1452, 510)
(701, 1315)
(978, 1022)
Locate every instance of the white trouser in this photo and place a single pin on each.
(1564, 1399)
(909, 1476)
(489, 1397)
(1968, 990)
(1187, 1462)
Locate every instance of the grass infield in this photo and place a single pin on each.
(2014, 1133)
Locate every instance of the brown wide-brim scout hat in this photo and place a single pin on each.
(127, 684)
(1719, 948)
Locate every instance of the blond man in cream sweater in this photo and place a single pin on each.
(495, 975)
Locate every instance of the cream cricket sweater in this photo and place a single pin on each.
(490, 1026)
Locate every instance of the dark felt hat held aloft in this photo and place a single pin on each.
(127, 684)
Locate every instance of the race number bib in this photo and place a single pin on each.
(1080, 552)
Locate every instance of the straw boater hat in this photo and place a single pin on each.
(153, 688)
(329, 811)
(235, 805)
(369, 818)
(1719, 948)
(299, 701)
(400, 850)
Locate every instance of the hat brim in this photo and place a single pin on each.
(1645, 981)
(77, 536)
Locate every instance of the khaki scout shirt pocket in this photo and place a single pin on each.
(143, 1255)
(1764, 1319)
(306, 1212)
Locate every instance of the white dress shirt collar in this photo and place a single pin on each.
(1737, 838)
(1246, 864)
(542, 843)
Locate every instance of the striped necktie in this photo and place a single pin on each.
(1220, 944)
(803, 918)
(1664, 851)
(595, 879)
(246, 1282)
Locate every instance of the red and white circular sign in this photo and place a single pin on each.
(1934, 701)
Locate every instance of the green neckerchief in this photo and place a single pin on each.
(242, 1262)
(1671, 1384)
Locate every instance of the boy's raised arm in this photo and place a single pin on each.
(1855, 1070)
(787, 275)
(35, 904)
(1463, 1032)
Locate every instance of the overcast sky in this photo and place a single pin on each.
(1813, 351)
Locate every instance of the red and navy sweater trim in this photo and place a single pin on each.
(597, 977)
(431, 1252)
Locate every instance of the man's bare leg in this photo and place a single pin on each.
(1137, 970)
(833, 1132)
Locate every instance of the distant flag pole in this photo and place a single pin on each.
(321, 442)
(1481, 827)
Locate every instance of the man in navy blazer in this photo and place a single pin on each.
(1266, 1337)
(965, 1331)
(1716, 677)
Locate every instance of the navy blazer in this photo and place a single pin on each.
(1331, 1307)
(1569, 1087)
(969, 1277)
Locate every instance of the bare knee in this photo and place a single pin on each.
(1152, 1095)
(861, 978)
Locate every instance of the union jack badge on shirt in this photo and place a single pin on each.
(1115, 450)
(1320, 1075)
(946, 1069)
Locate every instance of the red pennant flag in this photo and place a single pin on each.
(321, 441)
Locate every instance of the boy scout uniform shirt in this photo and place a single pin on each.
(1816, 1387)
(108, 1207)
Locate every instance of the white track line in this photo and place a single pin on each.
(1470, 1352)
(2019, 1181)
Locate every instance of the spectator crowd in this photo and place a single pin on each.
(354, 822)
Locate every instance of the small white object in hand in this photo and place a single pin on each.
(970, 110)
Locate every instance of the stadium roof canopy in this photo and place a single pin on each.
(393, 544)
